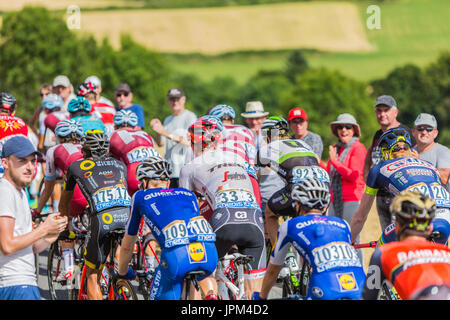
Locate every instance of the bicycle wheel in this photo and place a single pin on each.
(57, 287)
(123, 290)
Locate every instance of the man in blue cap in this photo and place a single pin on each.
(18, 240)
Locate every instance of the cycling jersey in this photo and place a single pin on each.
(240, 140)
(9, 127)
(90, 122)
(410, 265)
(283, 156)
(106, 113)
(103, 182)
(324, 242)
(132, 147)
(185, 237)
(52, 119)
(59, 158)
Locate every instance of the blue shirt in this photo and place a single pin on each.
(171, 214)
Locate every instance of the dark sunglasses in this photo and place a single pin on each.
(122, 94)
(398, 148)
(44, 94)
(421, 128)
(346, 126)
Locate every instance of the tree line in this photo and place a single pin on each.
(36, 45)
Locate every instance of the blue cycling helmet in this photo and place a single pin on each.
(214, 120)
(221, 110)
(66, 127)
(79, 104)
(391, 137)
(126, 117)
(52, 101)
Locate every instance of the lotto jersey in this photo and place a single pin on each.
(410, 265)
(325, 242)
(222, 178)
(130, 146)
(283, 156)
(103, 182)
(408, 173)
(60, 157)
(171, 214)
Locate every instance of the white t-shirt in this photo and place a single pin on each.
(174, 152)
(17, 268)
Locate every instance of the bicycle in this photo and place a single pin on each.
(115, 289)
(230, 275)
(191, 278)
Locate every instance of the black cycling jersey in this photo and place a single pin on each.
(103, 182)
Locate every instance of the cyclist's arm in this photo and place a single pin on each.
(360, 216)
(368, 162)
(126, 252)
(64, 204)
(269, 279)
(46, 193)
(444, 173)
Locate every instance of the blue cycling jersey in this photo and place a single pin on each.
(324, 242)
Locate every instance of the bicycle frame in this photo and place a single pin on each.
(225, 283)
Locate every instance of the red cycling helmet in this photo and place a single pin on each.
(204, 132)
(85, 88)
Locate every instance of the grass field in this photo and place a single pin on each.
(64, 4)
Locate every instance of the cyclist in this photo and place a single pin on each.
(59, 157)
(324, 241)
(288, 158)
(9, 124)
(222, 179)
(398, 172)
(80, 110)
(103, 182)
(130, 146)
(104, 111)
(185, 237)
(417, 268)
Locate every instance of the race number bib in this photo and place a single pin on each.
(441, 195)
(235, 198)
(335, 254)
(111, 197)
(141, 154)
(201, 229)
(302, 172)
(177, 233)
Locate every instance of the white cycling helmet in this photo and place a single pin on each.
(312, 193)
(154, 168)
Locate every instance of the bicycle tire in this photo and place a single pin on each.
(54, 266)
(123, 290)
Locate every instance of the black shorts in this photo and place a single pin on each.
(242, 227)
(281, 203)
(98, 243)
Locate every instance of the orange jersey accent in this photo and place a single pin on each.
(12, 126)
(413, 265)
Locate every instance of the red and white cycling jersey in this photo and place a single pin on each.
(106, 112)
(12, 126)
(132, 147)
(240, 140)
(222, 178)
(52, 119)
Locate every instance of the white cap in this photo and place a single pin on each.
(426, 119)
(61, 80)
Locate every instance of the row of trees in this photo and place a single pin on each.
(36, 45)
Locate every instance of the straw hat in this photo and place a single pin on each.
(254, 109)
(345, 118)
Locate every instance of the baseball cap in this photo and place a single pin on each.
(175, 93)
(426, 119)
(124, 87)
(386, 100)
(61, 80)
(297, 113)
(19, 146)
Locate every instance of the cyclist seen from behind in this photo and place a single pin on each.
(185, 237)
(103, 182)
(324, 241)
(80, 110)
(417, 268)
(399, 171)
(222, 179)
(289, 158)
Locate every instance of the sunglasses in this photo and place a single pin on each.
(346, 126)
(44, 94)
(398, 148)
(421, 128)
(122, 94)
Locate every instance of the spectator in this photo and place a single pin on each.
(39, 113)
(345, 167)
(298, 121)
(254, 116)
(63, 88)
(386, 112)
(173, 131)
(124, 96)
(100, 99)
(18, 239)
(425, 132)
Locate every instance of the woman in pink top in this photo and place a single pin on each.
(345, 167)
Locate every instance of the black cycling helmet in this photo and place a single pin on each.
(8, 102)
(413, 211)
(275, 126)
(312, 193)
(154, 168)
(390, 138)
(96, 142)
